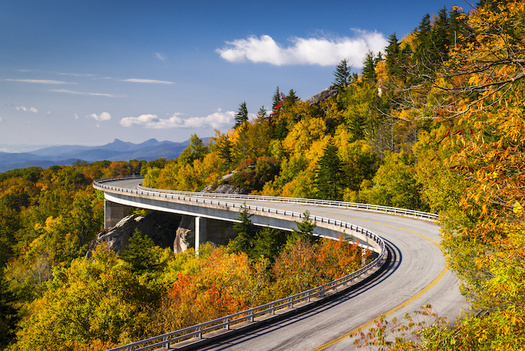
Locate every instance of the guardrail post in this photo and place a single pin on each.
(167, 344)
(199, 335)
(306, 296)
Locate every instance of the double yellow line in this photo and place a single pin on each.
(406, 303)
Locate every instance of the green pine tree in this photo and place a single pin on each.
(441, 37)
(392, 55)
(142, 254)
(242, 115)
(327, 174)
(276, 100)
(369, 67)
(342, 75)
(304, 231)
(246, 232)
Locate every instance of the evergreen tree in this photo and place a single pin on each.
(357, 124)
(246, 232)
(290, 98)
(304, 231)
(327, 176)
(276, 100)
(342, 75)
(276, 106)
(441, 37)
(392, 55)
(268, 243)
(424, 45)
(242, 115)
(306, 226)
(458, 28)
(369, 67)
(262, 114)
(142, 254)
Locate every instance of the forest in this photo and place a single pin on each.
(434, 123)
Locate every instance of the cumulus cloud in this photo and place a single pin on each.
(27, 109)
(37, 81)
(104, 116)
(305, 51)
(216, 120)
(65, 91)
(147, 81)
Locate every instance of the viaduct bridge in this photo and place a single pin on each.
(415, 273)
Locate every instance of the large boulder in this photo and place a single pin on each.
(329, 92)
(159, 226)
(225, 187)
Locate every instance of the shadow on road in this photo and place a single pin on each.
(394, 261)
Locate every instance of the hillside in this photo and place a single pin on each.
(433, 123)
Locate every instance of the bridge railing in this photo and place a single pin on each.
(248, 316)
(201, 198)
(317, 202)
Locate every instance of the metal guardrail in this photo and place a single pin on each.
(317, 202)
(249, 315)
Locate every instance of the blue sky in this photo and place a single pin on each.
(87, 72)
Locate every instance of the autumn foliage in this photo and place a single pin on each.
(433, 123)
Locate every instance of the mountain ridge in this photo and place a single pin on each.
(117, 150)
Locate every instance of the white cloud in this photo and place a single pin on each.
(216, 120)
(65, 91)
(305, 51)
(0, 119)
(37, 81)
(27, 109)
(104, 116)
(160, 56)
(147, 81)
(75, 74)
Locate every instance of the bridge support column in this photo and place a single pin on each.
(200, 232)
(113, 213)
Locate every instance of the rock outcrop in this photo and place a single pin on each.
(329, 92)
(225, 187)
(159, 226)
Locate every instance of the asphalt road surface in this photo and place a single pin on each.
(416, 275)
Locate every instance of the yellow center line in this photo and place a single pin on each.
(406, 303)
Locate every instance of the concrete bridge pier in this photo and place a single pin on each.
(200, 232)
(113, 213)
(196, 230)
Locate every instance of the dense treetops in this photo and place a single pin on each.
(435, 122)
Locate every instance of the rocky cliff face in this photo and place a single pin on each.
(167, 230)
(160, 227)
(323, 95)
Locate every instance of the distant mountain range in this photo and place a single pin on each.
(118, 150)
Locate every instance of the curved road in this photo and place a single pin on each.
(417, 275)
